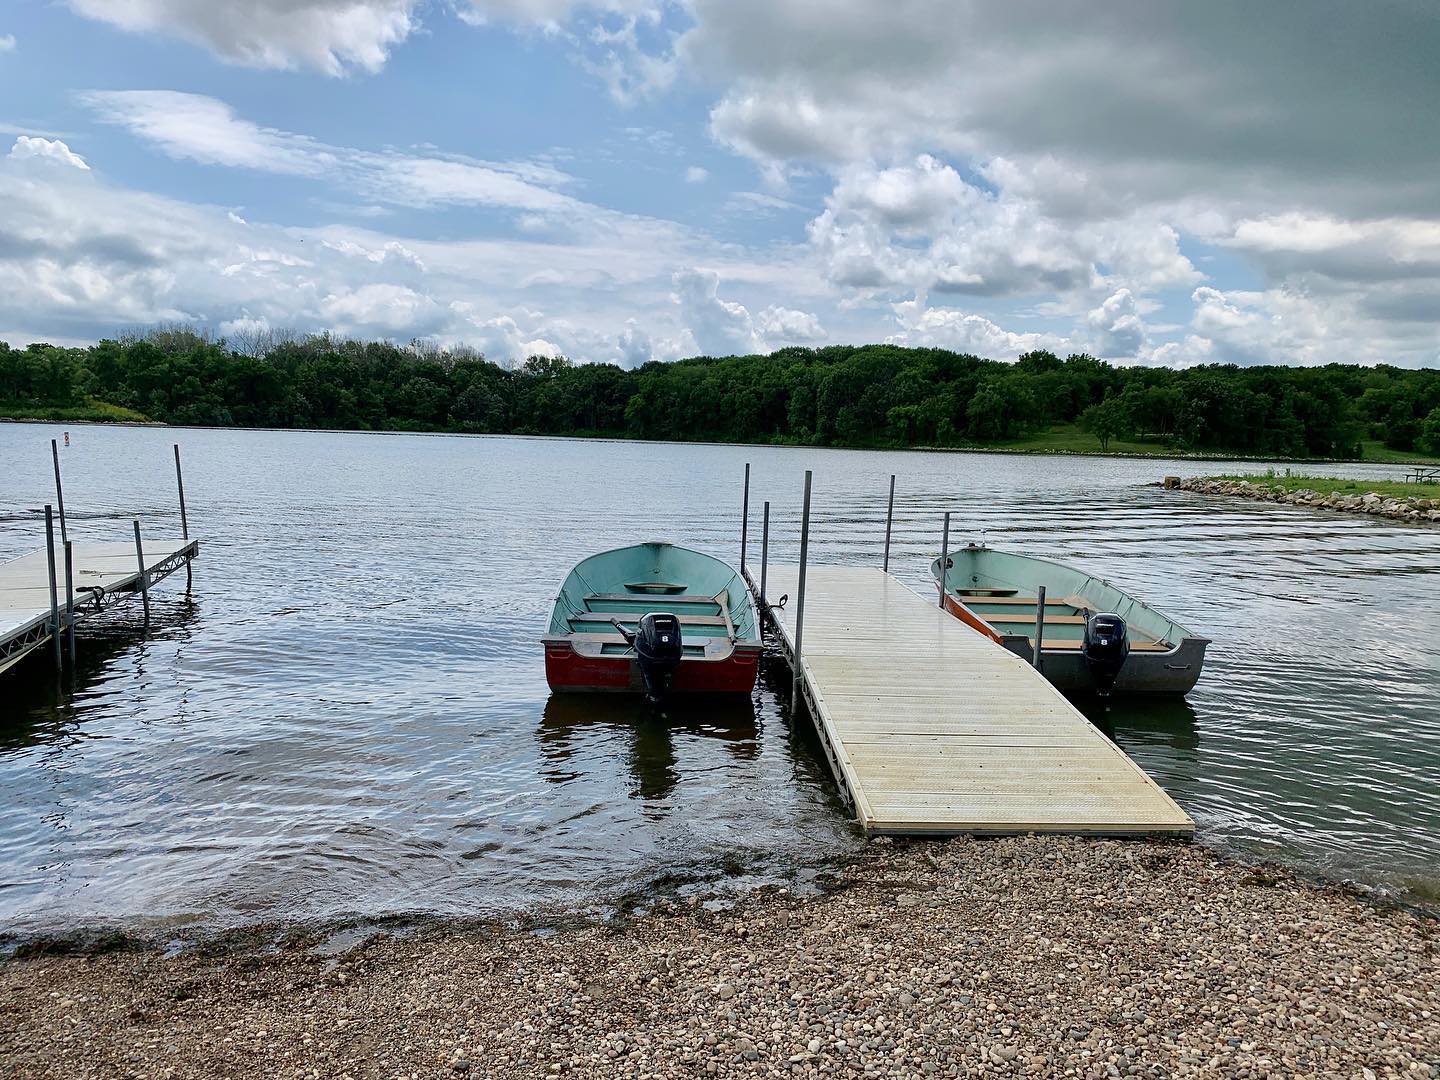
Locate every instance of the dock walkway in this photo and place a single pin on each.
(101, 573)
(932, 728)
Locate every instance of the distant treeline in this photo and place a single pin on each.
(872, 395)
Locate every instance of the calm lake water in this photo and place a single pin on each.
(349, 715)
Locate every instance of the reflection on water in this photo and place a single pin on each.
(352, 717)
(650, 736)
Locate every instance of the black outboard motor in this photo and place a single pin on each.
(1107, 644)
(658, 650)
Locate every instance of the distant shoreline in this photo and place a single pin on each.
(1176, 455)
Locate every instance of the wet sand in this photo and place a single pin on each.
(1026, 956)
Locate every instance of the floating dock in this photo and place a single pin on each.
(932, 728)
(101, 575)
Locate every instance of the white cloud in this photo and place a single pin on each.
(334, 36)
(7, 43)
(949, 328)
(696, 175)
(720, 327)
(29, 146)
(782, 325)
(1116, 324)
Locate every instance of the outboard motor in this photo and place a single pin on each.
(1107, 644)
(658, 650)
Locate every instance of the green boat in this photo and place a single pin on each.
(654, 619)
(996, 594)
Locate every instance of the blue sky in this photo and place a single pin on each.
(632, 180)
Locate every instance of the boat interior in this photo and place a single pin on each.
(1010, 613)
(705, 594)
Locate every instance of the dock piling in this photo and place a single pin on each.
(1039, 626)
(889, 517)
(70, 602)
(744, 520)
(944, 557)
(184, 522)
(54, 591)
(144, 578)
(795, 689)
(59, 491)
(764, 554)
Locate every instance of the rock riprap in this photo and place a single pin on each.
(1411, 508)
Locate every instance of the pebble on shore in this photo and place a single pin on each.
(1372, 502)
(1027, 956)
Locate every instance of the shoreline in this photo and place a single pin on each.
(1019, 451)
(1022, 955)
(1410, 509)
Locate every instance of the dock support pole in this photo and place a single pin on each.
(944, 558)
(184, 522)
(59, 492)
(54, 590)
(795, 689)
(1039, 626)
(889, 517)
(70, 602)
(764, 554)
(144, 577)
(744, 520)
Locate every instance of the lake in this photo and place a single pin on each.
(349, 714)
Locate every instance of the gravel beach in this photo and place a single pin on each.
(1023, 956)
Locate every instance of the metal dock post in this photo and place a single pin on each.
(764, 556)
(796, 686)
(144, 578)
(944, 557)
(889, 517)
(1039, 625)
(744, 520)
(184, 522)
(54, 592)
(59, 491)
(70, 602)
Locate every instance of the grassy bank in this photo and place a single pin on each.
(1328, 485)
(1033, 956)
(93, 411)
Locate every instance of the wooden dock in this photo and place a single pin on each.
(932, 728)
(101, 575)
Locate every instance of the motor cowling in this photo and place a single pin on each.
(658, 651)
(1106, 646)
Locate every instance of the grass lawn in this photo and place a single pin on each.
(1375, 450)
(94, 410)
(1068, 438)
(1329, 485)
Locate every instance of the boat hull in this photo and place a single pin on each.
(569, 671)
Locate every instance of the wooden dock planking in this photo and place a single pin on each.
(25, 585)
(931, 727)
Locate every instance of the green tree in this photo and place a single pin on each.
(1109, 419)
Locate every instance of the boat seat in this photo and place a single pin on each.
(640, 598)
(1028, 601)
(603, 618)
(1073, 645)
(1050, 620)
(978, 593)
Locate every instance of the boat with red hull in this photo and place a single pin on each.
(653, 619)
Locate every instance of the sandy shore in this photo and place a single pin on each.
(1033, 956)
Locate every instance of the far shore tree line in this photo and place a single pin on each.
(841, 395)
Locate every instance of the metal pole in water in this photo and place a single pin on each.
(144, 577)
(944, 557)
(795, 697)
(184, 522)
(54, 592)
(764, 552)
(889, 517)
(1039, 626)
(59, 492)
(744, 520)
(70, 602)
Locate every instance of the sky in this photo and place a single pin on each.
(1149, 181)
